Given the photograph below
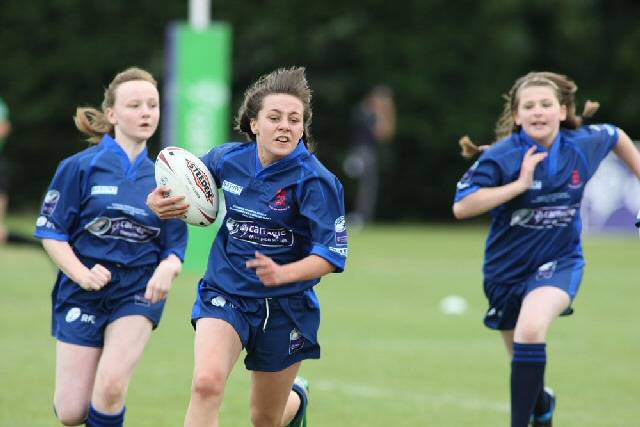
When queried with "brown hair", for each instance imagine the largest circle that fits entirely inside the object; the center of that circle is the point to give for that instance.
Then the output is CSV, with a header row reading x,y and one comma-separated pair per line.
x,y
290,81
564,89
93,122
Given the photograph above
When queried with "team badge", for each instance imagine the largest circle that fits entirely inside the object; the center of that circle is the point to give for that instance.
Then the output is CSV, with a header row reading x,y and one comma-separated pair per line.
x,y
341,230
296,341
51,200
545,271
279,203
576,180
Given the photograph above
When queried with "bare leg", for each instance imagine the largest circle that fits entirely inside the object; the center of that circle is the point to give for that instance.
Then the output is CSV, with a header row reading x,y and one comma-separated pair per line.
x,y
125,340
75,374
217,348
273,403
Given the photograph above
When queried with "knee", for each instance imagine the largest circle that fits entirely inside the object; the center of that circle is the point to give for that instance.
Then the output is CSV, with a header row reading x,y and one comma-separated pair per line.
x,y
112,391
261,418
208,386
530,331
70,415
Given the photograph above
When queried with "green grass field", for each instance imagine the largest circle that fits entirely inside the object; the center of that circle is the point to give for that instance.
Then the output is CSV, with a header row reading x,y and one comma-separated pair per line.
x,y
390,357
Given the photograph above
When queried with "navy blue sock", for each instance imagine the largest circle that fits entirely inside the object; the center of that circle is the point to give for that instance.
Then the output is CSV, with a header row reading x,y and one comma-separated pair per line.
x,y
98,419
543,404
297,419
527,378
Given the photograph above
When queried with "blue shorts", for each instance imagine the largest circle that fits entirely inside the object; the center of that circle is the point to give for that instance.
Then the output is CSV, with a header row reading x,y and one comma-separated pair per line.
x,y
505,300
80,316
276,332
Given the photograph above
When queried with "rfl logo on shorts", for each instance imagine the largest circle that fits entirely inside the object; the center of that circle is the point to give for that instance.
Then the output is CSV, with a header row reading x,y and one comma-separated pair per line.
x,y
296,341
545,271
74,313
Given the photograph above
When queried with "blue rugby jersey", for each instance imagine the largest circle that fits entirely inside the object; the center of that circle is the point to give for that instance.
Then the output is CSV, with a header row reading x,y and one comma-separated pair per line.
x,y
544,222
288,210
97,202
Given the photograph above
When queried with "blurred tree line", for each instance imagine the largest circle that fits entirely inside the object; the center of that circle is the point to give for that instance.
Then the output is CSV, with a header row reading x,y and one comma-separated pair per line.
x,y
448,63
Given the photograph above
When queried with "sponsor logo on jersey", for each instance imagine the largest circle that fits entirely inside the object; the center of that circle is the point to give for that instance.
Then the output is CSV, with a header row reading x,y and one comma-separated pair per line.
x,y
340,226
536,185
465,181
231,187
51,200
201,180
129,210
218,301
72,314
121,228
340,251
576,180
551,198
42,221
296,341
249,231
544,217
104,189
279,202
545,271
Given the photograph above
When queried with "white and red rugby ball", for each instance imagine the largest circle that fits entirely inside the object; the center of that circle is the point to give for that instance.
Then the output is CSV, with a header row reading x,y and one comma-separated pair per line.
x,y
187,176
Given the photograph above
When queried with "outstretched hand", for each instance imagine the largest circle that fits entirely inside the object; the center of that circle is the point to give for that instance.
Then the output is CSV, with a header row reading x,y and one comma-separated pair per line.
x,y
165,206
528,167
268,271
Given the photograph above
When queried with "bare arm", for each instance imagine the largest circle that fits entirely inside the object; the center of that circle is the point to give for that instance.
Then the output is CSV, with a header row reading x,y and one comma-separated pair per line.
x,y
627,152
162,279
486,199
273,274
63,256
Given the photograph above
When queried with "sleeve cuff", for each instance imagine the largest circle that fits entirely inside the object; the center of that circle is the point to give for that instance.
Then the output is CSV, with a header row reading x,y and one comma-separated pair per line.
x,y
41,234
165,254
332,255
464,193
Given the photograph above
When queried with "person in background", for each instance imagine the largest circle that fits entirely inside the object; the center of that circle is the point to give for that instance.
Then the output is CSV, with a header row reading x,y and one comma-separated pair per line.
x,y
5,130
117,259
532,182
283,230
373,122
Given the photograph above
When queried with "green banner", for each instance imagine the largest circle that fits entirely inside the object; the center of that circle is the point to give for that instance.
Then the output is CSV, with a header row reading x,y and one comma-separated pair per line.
x,y
196,108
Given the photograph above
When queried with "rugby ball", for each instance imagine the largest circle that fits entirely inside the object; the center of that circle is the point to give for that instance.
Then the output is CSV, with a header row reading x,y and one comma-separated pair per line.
x,y
185,175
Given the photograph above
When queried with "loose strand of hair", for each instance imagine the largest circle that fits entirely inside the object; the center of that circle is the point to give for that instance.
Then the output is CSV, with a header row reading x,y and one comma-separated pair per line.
x,y
92,123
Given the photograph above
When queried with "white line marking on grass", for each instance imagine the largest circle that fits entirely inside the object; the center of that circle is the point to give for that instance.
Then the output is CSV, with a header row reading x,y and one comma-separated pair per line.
x,y
444,399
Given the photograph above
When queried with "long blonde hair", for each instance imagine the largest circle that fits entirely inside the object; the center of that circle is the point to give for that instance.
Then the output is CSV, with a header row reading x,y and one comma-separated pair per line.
x,y
565,90
93,122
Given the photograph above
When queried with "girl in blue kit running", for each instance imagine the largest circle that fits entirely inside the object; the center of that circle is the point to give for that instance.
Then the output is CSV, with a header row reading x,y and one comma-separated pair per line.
x,y
117,259
283,230
532,181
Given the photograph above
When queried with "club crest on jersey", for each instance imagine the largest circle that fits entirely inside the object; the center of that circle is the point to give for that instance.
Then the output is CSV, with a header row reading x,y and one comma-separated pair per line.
x,y
340,226
51,200
279,202
296,341
200,179
576,180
